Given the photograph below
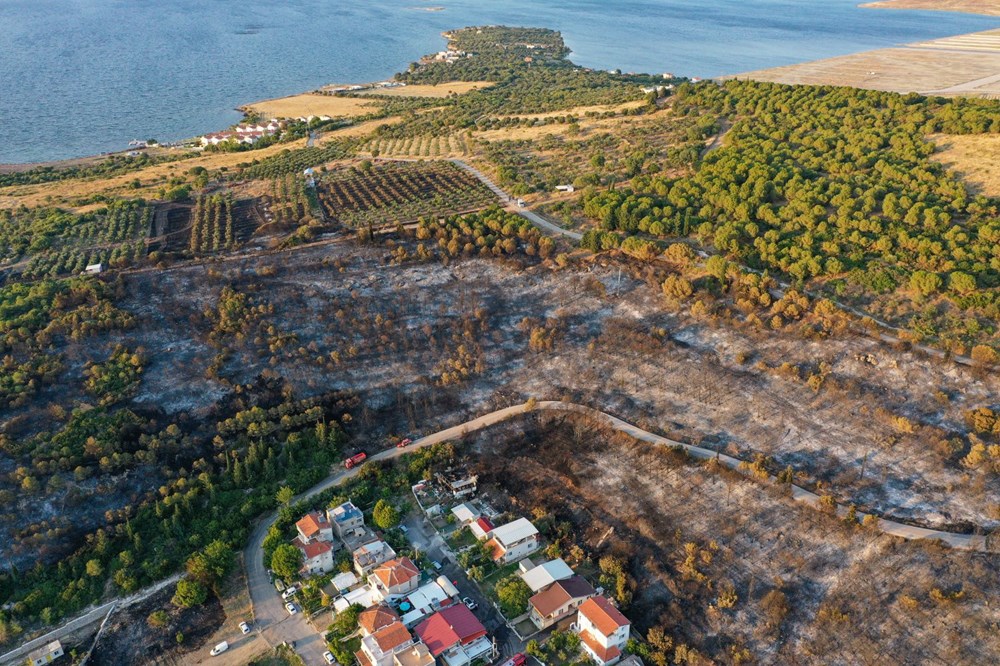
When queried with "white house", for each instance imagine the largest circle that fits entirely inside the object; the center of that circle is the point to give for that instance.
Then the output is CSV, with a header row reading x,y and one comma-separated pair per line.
x,y
45,654
370,555
511,542
347,520
540,577
481,528
317,556
428,599
603,630
464,514
394,579
378,648
314,526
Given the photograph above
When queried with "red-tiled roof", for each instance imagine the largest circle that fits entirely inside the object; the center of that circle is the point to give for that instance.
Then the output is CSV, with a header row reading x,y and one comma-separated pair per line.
x,y
391,637
397,572
311,524
605,654
485,524
560,593
376,618
363,658
315,549
449,627
603,615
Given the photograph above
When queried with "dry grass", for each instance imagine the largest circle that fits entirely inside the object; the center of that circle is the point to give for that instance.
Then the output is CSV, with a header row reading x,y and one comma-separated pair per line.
x,y
151,178
903,70
437,91
976,158
311,104
989,7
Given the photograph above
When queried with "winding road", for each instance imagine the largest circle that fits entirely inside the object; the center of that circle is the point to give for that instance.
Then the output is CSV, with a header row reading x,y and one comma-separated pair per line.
x,y
276,625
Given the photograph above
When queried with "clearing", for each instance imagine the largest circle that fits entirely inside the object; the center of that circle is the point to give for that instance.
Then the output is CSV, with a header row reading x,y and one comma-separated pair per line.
x,y
975,158
312,104
437,91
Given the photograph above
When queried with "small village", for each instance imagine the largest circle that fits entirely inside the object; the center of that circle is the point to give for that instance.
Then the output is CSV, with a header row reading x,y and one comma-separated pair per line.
x,y
402,608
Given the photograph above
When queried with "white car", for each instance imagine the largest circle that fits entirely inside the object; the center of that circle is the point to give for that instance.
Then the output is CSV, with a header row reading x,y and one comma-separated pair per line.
x,y
244,627
469,603
290,607
436,565
329,657
219,649
289,593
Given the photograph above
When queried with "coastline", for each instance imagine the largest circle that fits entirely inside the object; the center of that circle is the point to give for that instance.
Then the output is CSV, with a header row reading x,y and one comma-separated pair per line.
x,y
981,7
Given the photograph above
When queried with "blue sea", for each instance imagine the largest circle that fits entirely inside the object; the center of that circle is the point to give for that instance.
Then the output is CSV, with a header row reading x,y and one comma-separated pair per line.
x,y
79,77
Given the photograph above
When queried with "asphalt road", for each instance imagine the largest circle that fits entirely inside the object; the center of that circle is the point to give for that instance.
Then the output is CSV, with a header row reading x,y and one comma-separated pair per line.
x,y
275,624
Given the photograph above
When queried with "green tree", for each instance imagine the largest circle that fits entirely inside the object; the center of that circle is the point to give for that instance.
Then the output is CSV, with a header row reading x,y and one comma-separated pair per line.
x,y
212,563
285,495
513,595
189,593
385,515
286,561
94,568
925,283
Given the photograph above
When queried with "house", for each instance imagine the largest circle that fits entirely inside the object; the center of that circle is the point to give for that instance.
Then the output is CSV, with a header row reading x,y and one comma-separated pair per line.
x,y
378,648
395,579
370,555
314,526
373,619
45,654
513,541
481,528
454,635
558,601
565,188
543,575
458,486
364,596
603,630
347,520
343,582
464,514
317,556
427,600
416,655
93,269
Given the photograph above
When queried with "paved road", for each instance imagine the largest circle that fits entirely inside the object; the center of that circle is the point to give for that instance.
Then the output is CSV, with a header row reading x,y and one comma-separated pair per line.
x,y
276,625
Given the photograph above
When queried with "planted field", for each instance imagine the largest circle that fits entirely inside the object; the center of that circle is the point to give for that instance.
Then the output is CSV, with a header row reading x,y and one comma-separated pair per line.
x,y
398,192
211,224
424,145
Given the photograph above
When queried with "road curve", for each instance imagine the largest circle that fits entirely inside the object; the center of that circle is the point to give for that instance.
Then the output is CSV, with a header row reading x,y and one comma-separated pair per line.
x,y
272,618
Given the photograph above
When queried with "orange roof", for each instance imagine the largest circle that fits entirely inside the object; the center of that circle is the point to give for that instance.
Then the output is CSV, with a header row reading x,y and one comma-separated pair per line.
x,y
397,572
496,550
376,618
312,523
560,593
363,658
603,615
605,654
315,549
391,637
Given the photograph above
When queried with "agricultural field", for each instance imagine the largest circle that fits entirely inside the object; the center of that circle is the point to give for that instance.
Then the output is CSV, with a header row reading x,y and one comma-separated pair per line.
x,y
421,146
51,242
313,104
388,192
438,90
210,223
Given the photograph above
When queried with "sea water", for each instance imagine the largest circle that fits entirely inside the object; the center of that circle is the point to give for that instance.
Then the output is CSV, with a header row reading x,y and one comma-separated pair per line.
x,y
80,77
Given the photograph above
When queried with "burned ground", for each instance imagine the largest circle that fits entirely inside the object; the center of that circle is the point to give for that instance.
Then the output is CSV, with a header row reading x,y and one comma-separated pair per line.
x,y
426,344
724,564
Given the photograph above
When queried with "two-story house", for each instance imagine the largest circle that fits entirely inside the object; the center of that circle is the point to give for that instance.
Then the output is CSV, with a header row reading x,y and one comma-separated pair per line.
x,y
347,520
603,630
370,555
394,579
314,526
559,600
455,636
317,556
513,541
379,647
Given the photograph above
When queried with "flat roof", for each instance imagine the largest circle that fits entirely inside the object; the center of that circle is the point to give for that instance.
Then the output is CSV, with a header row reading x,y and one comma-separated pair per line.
x,y
514,531
545,574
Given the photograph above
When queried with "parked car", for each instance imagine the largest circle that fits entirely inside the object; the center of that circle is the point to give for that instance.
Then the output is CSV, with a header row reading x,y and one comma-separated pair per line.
x,y
404,443
404,529
289,593
329,657
290,607
244,627
517,660
219,649
469,603
436,565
